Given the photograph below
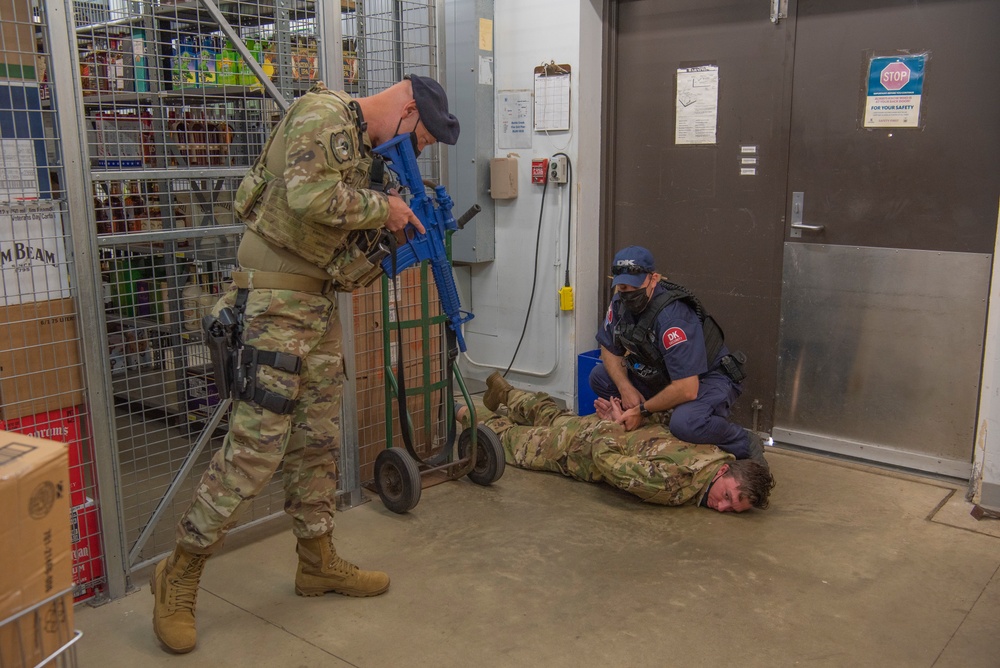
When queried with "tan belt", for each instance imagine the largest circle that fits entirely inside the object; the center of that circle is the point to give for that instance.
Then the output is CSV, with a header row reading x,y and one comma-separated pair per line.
x,y
271,280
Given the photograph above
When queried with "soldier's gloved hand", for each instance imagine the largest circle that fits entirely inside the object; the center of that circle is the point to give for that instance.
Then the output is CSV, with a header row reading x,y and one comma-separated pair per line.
x,y
399,215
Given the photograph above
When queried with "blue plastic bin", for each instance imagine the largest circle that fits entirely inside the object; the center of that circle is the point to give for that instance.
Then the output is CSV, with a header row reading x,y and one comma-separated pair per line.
x,y
585,396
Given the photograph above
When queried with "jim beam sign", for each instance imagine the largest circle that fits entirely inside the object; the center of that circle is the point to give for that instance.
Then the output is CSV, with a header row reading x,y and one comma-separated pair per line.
x,y
33,263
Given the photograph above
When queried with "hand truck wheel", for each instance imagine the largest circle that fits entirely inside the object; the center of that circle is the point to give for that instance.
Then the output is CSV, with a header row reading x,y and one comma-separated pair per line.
x,y
397,480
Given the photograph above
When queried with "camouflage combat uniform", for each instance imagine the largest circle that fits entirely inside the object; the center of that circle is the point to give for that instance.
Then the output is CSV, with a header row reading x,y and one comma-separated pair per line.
x,y
301,199
648,462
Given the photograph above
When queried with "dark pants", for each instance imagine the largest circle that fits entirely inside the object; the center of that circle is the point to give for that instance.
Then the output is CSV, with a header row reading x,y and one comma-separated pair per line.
x,y
702,420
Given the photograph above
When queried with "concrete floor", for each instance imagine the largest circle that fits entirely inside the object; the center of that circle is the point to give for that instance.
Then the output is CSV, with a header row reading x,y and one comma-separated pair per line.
x,y
851,566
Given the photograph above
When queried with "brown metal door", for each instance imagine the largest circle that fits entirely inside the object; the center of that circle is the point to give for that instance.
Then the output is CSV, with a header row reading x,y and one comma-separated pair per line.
x,y
710,226
890,233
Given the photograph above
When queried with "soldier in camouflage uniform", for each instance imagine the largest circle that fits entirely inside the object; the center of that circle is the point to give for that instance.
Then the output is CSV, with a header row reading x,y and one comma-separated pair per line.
x,y
312,218
648,461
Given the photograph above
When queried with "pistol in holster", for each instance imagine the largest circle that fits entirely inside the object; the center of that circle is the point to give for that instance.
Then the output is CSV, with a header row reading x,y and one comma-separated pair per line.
x,y
222,336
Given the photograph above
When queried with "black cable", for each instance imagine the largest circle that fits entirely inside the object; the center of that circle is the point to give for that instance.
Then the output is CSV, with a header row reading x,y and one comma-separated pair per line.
x,y
534,281
569,218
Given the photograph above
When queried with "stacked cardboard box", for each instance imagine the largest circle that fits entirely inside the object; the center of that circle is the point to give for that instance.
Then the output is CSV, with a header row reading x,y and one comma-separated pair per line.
x,y
34,550
40,368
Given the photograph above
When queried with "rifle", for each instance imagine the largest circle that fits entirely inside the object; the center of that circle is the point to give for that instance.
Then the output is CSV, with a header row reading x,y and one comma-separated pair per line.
x,y
438,222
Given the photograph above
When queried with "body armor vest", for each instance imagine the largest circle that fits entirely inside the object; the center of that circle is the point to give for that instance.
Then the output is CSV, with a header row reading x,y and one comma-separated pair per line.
x,y
640,339
262,203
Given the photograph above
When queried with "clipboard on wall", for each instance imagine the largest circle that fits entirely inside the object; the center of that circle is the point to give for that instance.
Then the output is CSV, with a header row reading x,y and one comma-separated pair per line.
x,y
552,96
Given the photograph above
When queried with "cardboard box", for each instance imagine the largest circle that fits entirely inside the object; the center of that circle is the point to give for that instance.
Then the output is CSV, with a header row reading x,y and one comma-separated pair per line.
x,y
34,548
17,40
40,368
36,635
88,552
66,426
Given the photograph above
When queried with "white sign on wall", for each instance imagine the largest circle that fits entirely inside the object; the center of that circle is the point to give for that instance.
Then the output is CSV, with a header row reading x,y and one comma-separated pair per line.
x,y
697,105
33,263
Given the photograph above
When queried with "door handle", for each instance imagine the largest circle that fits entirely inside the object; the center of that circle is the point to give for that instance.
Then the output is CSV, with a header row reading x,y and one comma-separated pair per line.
x,y
798,200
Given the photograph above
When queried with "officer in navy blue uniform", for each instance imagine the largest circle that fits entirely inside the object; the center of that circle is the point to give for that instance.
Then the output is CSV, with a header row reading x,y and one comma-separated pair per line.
x,y
656,358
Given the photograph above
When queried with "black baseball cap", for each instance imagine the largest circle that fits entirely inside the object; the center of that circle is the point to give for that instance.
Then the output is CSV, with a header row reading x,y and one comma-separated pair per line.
x,y
432,103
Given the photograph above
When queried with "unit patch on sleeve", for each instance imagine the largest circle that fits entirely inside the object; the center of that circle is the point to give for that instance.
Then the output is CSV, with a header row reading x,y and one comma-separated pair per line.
x,y
673,336
342,147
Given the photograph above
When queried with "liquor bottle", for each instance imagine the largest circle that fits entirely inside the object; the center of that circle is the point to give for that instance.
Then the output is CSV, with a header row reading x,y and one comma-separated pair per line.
x,y
117,207
102,214
135,209
191,298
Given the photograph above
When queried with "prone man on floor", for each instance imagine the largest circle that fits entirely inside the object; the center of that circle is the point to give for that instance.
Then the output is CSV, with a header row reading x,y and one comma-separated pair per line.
x,y
648,461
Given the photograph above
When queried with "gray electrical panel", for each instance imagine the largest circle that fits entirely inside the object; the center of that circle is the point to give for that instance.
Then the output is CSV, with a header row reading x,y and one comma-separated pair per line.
x,y
471,95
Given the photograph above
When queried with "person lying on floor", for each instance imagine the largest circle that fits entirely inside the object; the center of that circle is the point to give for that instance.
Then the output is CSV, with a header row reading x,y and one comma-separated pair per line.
x,y
648,461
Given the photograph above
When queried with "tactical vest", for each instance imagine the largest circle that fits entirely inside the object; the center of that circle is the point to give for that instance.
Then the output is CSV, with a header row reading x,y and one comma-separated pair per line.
x,y
262,203
639,338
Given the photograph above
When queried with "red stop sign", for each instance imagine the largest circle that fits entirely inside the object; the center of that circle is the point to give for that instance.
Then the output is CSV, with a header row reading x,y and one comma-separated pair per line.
x,y
895,76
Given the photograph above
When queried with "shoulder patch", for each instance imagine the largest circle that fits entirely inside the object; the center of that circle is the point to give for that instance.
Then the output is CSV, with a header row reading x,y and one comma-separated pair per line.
x,y
341,146
673,336
608,318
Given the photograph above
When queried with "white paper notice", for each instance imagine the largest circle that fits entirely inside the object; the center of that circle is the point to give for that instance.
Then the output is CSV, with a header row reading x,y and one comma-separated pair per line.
x,y
515,118
486,70
697,105
18,170
551,102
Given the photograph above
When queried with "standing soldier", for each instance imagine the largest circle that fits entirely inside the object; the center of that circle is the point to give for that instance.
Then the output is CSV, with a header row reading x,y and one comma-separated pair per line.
x,y
313,226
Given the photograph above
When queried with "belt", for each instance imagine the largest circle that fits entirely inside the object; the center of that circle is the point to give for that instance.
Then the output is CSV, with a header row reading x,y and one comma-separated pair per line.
x,y
272,280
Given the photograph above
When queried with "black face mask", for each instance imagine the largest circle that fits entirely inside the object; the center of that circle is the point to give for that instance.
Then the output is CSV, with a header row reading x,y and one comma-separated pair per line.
x,y
635,301
413,136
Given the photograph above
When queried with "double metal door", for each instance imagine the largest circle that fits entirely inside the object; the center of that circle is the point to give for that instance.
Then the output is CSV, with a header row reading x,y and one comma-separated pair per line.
x,y
852,262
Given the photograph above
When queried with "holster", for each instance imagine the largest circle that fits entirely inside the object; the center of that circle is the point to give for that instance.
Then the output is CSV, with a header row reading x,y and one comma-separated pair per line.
x,y
733,366
222,339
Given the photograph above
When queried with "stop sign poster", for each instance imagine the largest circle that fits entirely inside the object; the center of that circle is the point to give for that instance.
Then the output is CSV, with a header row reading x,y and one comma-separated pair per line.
x,y
895,85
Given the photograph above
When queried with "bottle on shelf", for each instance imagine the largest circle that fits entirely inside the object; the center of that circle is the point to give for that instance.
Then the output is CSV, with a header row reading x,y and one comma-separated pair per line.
x,y
102,212
136,216
194,301
117,209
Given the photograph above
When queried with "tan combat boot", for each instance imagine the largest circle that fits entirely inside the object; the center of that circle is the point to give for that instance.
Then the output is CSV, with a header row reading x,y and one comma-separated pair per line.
x,y
174,584
496,391
321,571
